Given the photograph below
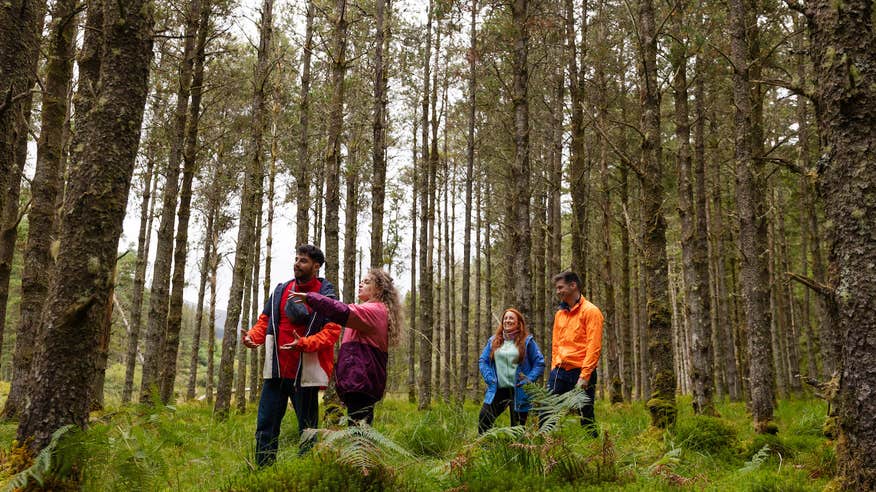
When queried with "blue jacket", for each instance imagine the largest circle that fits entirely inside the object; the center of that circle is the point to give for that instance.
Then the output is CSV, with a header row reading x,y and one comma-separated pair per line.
x,y
531,367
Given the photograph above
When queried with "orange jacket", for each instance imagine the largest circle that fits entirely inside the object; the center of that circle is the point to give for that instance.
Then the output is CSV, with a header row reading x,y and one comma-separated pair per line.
x,y
577,338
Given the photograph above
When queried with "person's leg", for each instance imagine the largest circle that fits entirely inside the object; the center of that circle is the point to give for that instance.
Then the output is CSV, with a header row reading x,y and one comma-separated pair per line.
x,y
272,408
518,418
306,404
490,411
588,417
359,407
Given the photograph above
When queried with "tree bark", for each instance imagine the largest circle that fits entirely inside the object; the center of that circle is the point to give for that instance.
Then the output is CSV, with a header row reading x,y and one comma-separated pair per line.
x,y
413,334
750,193
45,191
659,325
335,130
248,201
378,155
519,233
156,325
198,15
92,223
302,180
425,284
843,50
199,311
578,174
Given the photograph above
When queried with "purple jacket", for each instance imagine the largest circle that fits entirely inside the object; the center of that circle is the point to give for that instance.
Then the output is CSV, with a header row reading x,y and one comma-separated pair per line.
x,y
364,352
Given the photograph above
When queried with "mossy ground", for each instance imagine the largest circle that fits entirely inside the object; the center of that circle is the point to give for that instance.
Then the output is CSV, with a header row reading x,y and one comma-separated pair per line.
x,y
185,448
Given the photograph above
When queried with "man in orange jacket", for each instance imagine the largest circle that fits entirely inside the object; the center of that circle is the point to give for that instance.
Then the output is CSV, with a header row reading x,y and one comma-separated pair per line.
x,y
299,354
577,342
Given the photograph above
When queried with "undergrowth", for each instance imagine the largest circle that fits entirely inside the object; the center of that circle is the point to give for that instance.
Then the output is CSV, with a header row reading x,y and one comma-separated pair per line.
x,y
149,448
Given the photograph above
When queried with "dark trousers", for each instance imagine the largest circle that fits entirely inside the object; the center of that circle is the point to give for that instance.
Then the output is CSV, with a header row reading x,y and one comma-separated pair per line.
x,y
272,407
359,407
503,399
562,381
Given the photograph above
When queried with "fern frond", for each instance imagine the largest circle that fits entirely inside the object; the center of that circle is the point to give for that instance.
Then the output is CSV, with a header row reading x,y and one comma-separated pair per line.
x,y
41,468
758,459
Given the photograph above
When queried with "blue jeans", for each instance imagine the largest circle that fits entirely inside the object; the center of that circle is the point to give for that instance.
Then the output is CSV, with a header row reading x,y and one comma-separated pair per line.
x,y
272,407
562,381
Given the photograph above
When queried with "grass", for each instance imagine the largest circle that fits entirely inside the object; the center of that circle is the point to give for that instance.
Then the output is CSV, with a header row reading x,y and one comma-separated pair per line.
x,y
185,448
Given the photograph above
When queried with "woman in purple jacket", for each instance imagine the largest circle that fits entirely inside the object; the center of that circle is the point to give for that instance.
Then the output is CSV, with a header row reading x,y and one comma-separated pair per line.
x,y
373,326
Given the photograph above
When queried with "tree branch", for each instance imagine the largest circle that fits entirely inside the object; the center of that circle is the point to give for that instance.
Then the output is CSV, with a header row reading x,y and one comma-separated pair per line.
x,y
818,287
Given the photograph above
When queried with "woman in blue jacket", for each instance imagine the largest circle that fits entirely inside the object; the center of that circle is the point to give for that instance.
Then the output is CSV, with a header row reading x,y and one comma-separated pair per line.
x,y
510,360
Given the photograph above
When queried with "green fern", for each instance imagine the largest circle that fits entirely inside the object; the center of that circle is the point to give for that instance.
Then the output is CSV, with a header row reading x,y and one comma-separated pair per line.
x,y
551,408
358,446
41,468
758,459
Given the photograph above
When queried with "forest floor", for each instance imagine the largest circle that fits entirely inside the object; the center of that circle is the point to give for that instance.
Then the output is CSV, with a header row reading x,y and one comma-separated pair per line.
x,y
184,447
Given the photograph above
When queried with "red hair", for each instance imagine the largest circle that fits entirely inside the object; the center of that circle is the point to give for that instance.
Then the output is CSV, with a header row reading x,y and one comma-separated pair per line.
x,y
520,341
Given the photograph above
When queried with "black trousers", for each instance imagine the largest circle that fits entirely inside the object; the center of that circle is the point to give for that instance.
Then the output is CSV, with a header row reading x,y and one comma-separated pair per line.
x,y
276,394
562,381
359,407
490,411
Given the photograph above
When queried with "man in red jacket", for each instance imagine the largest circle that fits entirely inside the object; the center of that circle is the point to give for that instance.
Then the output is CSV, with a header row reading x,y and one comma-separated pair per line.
x,y
289,372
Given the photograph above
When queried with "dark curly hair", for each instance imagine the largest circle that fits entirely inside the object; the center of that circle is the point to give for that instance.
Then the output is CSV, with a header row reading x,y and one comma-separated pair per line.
x,y
311,252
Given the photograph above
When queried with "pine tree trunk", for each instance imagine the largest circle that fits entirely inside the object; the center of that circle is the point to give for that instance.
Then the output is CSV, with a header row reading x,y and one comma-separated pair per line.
x,y
248,201
243,350
750,192
694,264
519,233
659,318
843,50
255,309
211,325
351,219
335,131
198,18
199,312
465,301
302,179
378,156
21,23
147,207
577,159
425,284
413,333
45,191
156,325
94,209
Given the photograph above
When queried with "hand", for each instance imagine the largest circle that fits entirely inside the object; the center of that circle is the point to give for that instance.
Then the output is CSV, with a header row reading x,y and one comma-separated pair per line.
x,y
582,383
247,341
298,297
521,380
294,345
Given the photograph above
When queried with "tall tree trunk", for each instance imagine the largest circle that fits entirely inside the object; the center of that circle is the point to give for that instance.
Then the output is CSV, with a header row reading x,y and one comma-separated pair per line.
x,y
198,15
156,325
378,154
480,329
242,350
662,372
45,191
465,301
577,160
694,260
211,325
413,334
519,233
335,133
94,209
302,179
843,50
750,192
21,23
351,219
248,201
425,283
147,208
199,311
255,310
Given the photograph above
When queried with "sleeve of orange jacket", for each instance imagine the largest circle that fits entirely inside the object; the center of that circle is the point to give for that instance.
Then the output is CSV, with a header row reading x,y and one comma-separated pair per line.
x,y
555,343
318,341
257,332
594,343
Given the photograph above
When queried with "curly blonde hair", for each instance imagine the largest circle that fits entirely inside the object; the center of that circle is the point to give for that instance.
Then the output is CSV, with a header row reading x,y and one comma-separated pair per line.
x,y
388,295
